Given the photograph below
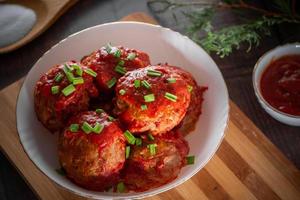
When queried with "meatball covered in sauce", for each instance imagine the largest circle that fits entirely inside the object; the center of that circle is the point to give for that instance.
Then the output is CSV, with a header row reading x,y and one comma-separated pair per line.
x,y
92,150
194,110
111,63
153,99
146,169
63,91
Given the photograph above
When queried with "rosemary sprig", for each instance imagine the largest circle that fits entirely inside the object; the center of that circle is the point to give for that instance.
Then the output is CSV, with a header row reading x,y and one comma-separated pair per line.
x,y
225,40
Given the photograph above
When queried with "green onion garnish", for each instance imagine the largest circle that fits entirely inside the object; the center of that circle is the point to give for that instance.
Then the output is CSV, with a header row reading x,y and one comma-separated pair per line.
x,y
121,62
68,73
190,88
171,97
78,80
151,72
144,107
86,127
58,77
111,82
78,69
98,128
68,67
68,90
121,187
122,92
74,127
108,48
117,53
152,149
171,80
54,89
146,84
90,72
99,110
137,83
127,152
149,98
110,118
138,141
120,69
129,137
131,56
190,160
150,137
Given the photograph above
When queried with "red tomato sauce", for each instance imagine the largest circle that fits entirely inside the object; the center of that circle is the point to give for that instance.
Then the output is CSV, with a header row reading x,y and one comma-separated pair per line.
x,y
280,84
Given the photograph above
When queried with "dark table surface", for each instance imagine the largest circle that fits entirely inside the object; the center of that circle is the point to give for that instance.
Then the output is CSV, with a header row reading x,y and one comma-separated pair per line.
x,y
236,69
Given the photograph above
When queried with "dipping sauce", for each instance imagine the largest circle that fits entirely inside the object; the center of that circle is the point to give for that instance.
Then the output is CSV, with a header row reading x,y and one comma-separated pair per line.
x,y
280,84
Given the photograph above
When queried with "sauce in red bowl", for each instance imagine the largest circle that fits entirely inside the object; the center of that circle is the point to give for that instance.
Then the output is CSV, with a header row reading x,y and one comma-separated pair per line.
x,y
280,84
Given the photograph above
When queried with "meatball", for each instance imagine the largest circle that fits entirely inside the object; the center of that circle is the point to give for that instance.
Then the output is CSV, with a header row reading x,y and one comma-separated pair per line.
x,y
194,110
153,99
111,63
92,160
61,92
144,170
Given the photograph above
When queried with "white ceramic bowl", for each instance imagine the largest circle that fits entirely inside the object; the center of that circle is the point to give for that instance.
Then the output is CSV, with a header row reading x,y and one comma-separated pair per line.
x,y
260,66
163,45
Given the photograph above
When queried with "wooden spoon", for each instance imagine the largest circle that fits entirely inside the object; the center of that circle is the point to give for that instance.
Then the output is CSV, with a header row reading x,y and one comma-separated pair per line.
x,y
47,12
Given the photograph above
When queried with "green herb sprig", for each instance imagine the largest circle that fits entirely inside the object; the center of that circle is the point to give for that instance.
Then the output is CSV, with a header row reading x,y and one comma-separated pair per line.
x,y
224,40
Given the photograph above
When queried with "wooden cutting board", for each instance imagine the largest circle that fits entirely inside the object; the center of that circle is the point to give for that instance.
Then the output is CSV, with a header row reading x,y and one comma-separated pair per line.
x,y
246,166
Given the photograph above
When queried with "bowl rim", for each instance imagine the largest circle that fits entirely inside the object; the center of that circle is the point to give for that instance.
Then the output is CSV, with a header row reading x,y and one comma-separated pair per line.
x,y
257,83
136,195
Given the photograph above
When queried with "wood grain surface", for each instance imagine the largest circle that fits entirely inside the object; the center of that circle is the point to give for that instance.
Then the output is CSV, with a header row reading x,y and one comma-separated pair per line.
x,y
246,166
47,12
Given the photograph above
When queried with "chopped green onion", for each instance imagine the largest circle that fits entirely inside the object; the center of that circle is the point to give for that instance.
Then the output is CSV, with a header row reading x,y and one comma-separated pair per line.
x,y
146,84
190,160
171,80
111,82
171,97
90,72
68,67
151,72
129,137
190,88
68,73
144,107
78,69
120,69
117,53
152,149
137,83
150,137
74,127
68,90
78,80
99,110
58,77
98,128
110,118
131,56
138,141
121,62
122,92
86,127
127,152
54,89
149,98
121,187
61,171
108,48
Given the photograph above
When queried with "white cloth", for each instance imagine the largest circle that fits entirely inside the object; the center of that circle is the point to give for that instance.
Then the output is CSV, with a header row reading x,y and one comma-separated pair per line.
x,y
15,22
